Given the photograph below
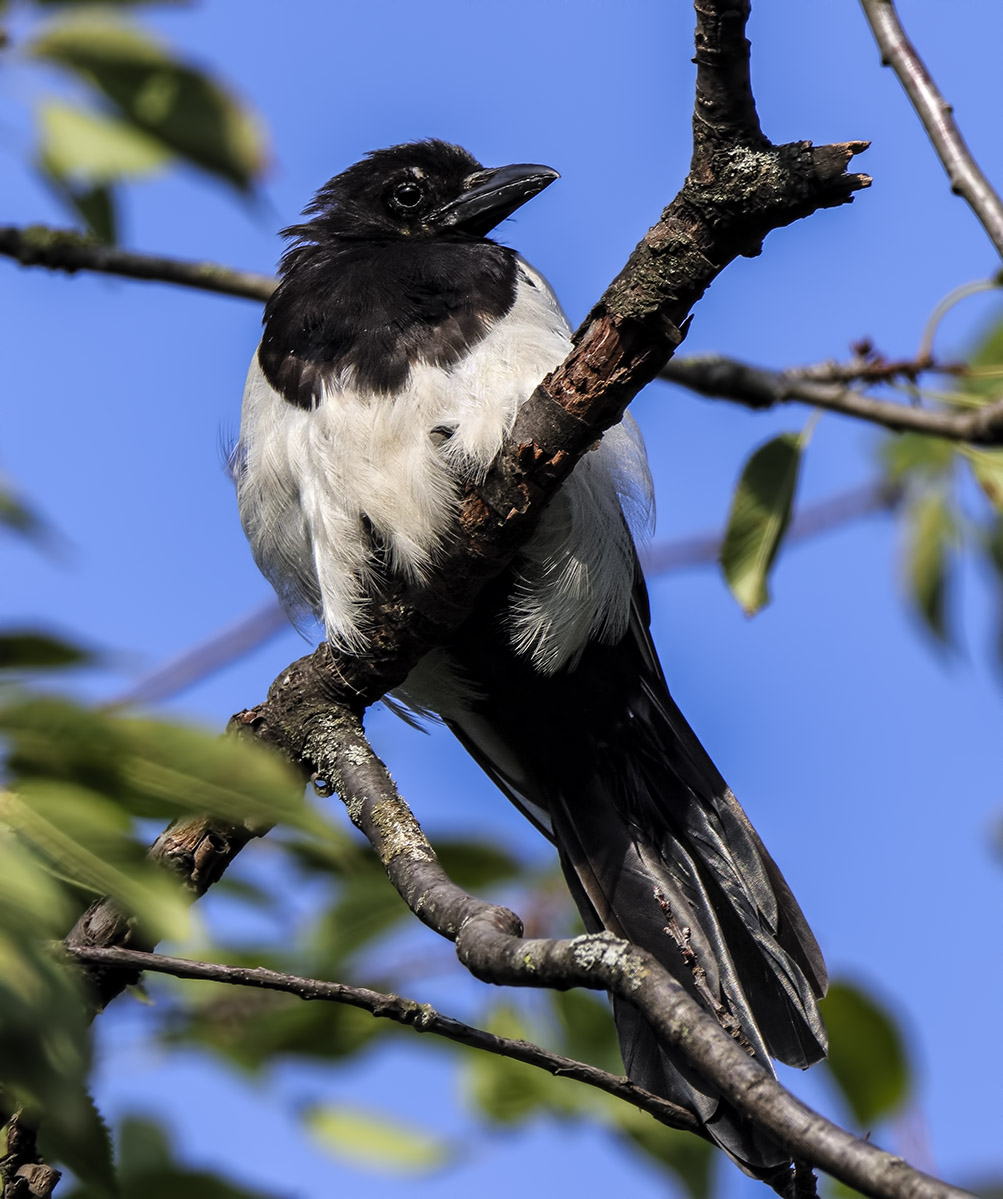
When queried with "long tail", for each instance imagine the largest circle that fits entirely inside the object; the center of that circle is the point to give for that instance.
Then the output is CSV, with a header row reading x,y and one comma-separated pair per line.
x,y
656,849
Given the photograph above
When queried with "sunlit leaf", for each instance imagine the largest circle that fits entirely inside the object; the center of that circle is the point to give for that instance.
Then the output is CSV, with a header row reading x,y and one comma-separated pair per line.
x,y
78,144
867,1056
374,1141
931,537
28,650
760,514
86,841
178,105
155,768
987,466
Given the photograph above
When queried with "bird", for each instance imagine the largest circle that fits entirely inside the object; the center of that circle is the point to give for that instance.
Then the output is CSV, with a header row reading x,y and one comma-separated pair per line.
x,y
396,349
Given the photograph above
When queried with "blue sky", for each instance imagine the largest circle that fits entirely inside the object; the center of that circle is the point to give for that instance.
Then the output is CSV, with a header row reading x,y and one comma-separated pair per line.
x,y
869,763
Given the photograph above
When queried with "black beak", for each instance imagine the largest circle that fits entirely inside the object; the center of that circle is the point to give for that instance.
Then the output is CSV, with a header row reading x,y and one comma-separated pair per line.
x,y
488,197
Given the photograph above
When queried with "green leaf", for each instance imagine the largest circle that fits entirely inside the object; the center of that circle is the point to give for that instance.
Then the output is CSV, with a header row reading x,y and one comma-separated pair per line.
x,y
760,513
148,1170
508,1092
867,1056
179,106
988,353
250,1030
587,1024
931,535
155,768
911,454
44,1037
96,206
86,841
992,546
81,145
120,3
987,466
27,650
374,1141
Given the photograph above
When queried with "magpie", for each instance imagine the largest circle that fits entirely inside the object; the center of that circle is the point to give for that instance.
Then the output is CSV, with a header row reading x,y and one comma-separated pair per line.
x,y
396,350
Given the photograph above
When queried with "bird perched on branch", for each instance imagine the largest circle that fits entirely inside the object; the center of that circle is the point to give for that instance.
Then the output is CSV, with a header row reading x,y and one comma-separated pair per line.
x,y
397,348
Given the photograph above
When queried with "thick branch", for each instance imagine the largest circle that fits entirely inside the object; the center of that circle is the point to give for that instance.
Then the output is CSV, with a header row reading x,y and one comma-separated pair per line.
x,y
966,177
489,943
755,387
420,1016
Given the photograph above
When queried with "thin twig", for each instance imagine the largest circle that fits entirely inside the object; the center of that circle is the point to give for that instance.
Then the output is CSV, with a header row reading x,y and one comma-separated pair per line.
x,y
726,379
966,177
420,1016
67,250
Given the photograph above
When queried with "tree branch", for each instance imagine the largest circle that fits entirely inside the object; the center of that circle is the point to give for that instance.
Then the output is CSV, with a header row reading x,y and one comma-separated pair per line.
x,y
70,251
420,1016
490,944
756,387
966,177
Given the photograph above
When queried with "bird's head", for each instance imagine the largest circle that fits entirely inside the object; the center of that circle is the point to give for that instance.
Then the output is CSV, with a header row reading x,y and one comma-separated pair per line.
x,y
421,190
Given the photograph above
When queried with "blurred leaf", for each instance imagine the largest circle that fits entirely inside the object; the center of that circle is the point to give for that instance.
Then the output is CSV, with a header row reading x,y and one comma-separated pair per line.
x,y
931,535
120,3
475,865
181,107
85,1148
374,1141
155,768
988,352
82,145
86,840
252,1029
44,1036
760,514
867,1056
987,466
27,650
691,1160
95,205
510,1092
148,1170
18,517
992,545
589,1034
907,454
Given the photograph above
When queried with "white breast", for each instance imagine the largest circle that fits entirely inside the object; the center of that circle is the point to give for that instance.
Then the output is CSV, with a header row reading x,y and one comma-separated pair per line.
x,y
318,489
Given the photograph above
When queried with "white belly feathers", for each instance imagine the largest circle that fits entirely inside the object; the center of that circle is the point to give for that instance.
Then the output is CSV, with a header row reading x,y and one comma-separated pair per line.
x,y
319,489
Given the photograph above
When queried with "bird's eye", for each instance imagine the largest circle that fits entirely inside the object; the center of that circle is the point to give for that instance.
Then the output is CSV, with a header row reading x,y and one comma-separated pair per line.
x,y
407,195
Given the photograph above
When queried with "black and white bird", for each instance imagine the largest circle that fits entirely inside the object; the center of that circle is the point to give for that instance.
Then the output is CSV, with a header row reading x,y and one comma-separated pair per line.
x,y
397,348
